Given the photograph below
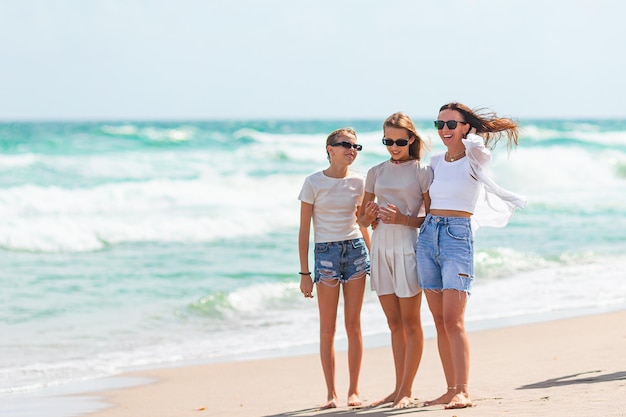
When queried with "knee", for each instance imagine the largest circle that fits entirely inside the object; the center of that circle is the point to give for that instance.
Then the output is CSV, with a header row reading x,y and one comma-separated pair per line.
x,y
327,332
453,325
354,333
413,327
440,323
395,324
353,327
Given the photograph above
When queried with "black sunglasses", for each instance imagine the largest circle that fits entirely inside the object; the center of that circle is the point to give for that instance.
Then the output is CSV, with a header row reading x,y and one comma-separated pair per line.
x,y
399,142
348,145
450,123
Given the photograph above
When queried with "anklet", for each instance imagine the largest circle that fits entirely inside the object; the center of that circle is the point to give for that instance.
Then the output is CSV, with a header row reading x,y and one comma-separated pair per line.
x,y
449,388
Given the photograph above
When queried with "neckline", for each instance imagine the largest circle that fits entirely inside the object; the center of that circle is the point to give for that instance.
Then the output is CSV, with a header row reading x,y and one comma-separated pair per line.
x,y
393,161
335,178
454,158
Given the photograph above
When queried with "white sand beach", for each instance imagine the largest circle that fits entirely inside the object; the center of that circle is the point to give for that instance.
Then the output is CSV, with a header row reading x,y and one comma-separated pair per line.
x,y
569,367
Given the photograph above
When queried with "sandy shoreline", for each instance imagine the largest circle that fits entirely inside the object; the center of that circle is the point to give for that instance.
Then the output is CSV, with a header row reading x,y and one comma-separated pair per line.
x,y
569,367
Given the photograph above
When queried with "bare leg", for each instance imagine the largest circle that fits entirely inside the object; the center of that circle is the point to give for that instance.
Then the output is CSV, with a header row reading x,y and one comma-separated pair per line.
x,y
448,308
353,293
454,316
327,301
412,324
435,304
391,307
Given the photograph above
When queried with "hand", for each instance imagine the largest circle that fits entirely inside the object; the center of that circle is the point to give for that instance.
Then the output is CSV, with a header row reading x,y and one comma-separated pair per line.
x,y
389,214
306,286
371,209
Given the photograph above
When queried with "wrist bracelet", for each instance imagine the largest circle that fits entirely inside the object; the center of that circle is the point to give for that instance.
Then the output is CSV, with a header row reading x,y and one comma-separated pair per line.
x,y
304,273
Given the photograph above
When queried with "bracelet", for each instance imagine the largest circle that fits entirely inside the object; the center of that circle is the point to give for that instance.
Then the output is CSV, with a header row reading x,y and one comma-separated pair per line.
x,y
304,273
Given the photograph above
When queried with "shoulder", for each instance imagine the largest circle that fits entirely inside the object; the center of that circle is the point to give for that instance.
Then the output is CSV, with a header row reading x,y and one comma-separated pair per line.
x,y
315,178
380,165
422,167
436,159
377,168
318,174
355,175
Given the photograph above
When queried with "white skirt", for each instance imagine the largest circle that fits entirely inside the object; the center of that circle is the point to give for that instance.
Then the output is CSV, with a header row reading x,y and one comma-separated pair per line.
x,y
394,267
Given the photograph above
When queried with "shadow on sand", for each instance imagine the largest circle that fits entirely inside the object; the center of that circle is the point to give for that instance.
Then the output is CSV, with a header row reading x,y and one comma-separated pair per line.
x,y
580,378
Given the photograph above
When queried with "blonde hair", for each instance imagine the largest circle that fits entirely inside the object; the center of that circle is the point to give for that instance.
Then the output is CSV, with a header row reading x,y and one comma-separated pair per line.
x,y
403,121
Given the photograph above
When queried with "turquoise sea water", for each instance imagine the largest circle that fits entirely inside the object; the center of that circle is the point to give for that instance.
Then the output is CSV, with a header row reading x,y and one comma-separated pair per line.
x,y
139,244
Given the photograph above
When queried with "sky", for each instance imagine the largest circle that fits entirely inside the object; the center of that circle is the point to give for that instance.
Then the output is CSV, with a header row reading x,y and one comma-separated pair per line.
x,y
309,59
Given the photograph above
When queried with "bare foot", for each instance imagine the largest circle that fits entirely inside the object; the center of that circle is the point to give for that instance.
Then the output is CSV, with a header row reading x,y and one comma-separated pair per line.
x,y
460,400
444,399
354,401
330,404
403,402
389,398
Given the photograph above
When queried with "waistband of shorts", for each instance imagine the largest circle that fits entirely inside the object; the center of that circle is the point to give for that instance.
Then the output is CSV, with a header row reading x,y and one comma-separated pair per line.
x,y
343,242
447,220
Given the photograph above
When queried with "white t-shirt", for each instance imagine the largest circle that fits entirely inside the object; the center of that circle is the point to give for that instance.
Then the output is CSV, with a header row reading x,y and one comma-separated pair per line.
x,y
335,201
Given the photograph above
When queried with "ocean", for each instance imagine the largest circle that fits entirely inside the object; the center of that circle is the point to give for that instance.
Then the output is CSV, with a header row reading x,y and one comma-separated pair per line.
x,y
129,245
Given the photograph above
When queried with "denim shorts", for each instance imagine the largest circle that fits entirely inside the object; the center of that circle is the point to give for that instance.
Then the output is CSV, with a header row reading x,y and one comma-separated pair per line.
x,y
445,254
341,260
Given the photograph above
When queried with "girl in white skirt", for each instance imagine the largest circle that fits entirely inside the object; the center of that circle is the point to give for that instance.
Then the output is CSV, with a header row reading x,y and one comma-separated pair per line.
x,y
396,200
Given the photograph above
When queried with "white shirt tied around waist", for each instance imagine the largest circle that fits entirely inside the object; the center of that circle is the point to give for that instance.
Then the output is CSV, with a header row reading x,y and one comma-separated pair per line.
x,y
476,192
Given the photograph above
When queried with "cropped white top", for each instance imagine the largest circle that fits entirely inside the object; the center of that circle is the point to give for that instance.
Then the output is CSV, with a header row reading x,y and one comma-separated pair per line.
x,y
455,187
490,204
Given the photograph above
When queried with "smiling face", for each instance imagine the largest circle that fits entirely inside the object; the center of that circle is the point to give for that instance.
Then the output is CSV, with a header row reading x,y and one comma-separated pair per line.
x,y
452,137
340,154
398,153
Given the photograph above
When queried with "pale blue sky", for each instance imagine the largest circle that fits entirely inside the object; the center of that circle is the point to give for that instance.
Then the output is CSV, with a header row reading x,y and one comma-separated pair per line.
x,y
194,59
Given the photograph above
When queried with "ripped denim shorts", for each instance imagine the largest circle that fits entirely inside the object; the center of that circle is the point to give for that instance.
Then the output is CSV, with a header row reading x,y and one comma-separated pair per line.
x,y
445,254
341,260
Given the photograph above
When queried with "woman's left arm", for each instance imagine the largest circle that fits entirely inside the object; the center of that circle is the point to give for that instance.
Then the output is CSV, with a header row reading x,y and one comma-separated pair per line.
x,y
364,230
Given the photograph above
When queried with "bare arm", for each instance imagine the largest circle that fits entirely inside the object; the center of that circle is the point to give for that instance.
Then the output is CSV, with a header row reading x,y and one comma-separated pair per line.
x,y
306,281
364,231
426,197
369,210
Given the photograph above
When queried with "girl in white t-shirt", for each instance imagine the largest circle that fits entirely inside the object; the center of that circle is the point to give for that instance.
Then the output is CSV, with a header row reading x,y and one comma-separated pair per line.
x,y
396,196
331,199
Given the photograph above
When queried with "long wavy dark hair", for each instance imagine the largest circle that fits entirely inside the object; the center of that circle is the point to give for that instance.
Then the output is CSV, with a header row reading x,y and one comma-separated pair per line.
x,y
488,124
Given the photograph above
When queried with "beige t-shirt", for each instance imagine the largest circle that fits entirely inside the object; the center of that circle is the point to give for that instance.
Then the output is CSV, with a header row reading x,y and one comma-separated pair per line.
x,y
335,201
400,184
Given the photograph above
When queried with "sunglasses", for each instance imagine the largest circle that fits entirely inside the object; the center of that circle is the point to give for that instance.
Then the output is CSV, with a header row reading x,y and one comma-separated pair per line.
x,y
399,142
347,145
450,123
